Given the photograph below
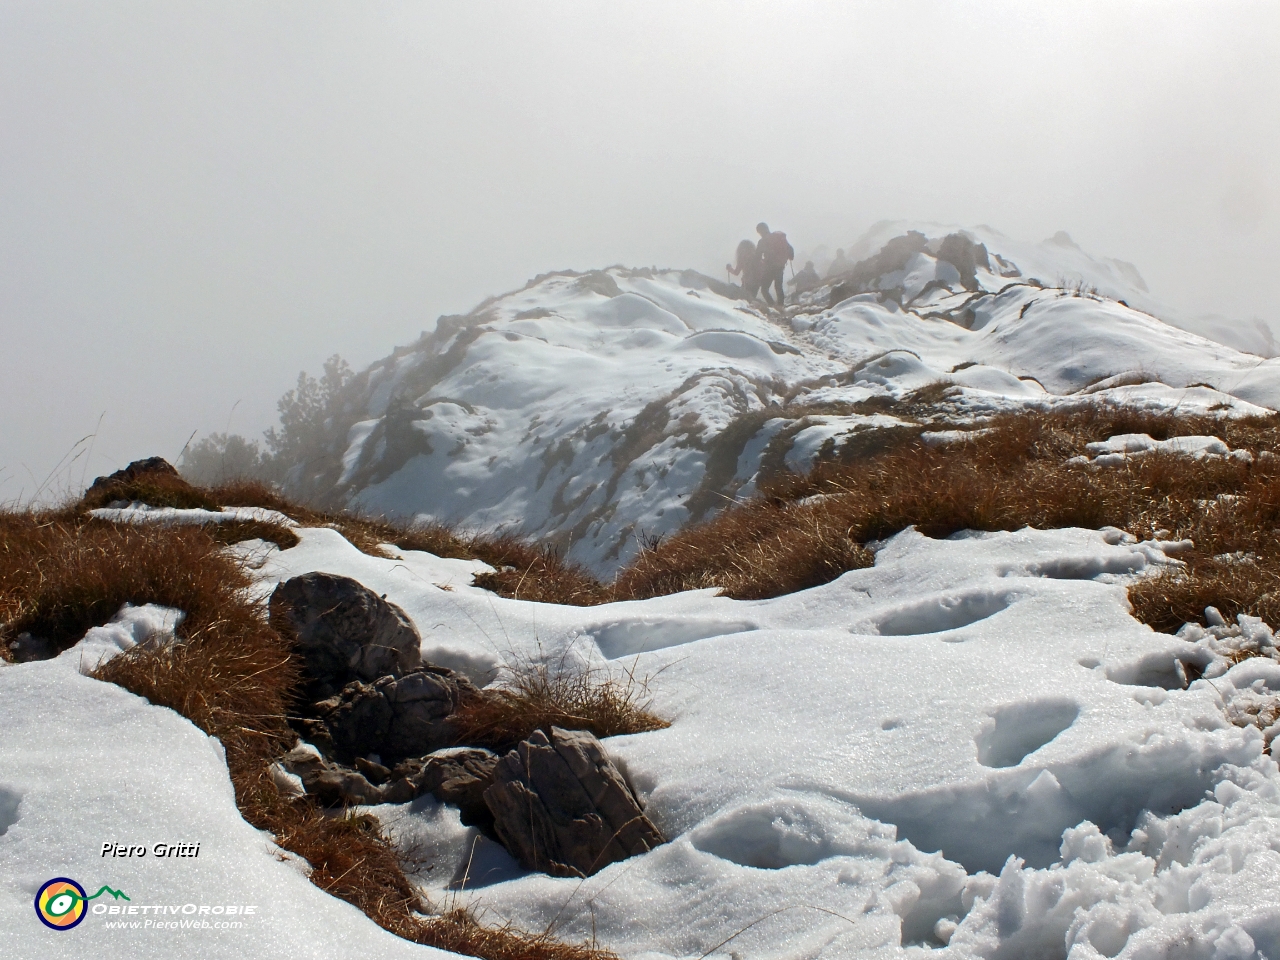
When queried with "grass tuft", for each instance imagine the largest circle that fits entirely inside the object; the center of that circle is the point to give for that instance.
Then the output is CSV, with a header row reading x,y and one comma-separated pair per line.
x,y
237,531
154,487
538,697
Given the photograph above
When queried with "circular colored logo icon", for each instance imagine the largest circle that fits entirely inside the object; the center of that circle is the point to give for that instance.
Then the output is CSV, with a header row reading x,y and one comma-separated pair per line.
x,y
60,904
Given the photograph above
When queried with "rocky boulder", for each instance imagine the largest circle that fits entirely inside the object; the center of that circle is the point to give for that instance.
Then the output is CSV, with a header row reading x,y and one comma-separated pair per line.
x,y
459,777
561,806
345,632
455,776
395,716
152,481
333,785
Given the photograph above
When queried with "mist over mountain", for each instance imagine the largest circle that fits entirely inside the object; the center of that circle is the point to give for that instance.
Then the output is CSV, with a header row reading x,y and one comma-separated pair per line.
x,y
600,410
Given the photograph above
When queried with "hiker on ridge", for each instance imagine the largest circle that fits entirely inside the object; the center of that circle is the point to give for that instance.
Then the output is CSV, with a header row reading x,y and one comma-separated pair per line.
x,y
807,279
748,266
839,265
774,252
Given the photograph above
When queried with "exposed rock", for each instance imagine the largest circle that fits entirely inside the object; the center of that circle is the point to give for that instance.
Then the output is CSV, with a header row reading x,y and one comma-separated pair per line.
x,y
966,256
455,776
153,481
395,717
561,806
331,784
375,773
153,466
459,777
345,632
893,256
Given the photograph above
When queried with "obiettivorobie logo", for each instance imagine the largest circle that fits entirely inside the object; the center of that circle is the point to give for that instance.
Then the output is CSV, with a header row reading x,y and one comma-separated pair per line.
x,y
61,902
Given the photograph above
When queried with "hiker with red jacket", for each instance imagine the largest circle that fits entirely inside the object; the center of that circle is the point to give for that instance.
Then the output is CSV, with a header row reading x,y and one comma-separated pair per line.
x,y
774,252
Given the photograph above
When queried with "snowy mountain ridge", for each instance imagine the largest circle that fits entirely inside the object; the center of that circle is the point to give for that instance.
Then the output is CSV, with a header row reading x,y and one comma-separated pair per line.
x,y
597,409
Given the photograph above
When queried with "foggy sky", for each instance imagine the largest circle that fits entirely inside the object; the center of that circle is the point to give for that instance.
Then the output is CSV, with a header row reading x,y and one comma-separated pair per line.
x,y
198,200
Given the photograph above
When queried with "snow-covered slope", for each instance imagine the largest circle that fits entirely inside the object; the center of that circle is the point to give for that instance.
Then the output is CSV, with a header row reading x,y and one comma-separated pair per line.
x,y
971,743
596,409
1060,262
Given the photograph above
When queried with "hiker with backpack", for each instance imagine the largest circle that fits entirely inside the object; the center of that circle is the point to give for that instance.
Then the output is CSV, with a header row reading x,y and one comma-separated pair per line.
x,y
775,252
748,266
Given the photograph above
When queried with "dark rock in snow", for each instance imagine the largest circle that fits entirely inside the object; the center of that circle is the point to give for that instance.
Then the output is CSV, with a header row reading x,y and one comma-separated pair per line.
x,y
395,717
345,631
561,806
966,256
331,784
457,776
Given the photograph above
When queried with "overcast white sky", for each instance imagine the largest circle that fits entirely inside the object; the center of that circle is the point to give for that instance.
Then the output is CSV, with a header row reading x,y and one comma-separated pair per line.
x,y
198,200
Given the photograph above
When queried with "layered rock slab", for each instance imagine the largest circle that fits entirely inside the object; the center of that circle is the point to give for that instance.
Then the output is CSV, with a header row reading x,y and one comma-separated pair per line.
x,y
561,806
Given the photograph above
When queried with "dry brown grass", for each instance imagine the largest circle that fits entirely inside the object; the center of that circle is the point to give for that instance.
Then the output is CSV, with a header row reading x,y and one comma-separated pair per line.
x,y
156,488
525,571
237,531
60,575
808,529
235,678
538,697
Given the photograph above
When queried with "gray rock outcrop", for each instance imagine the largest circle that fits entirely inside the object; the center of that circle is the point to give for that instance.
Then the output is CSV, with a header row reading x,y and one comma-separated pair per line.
x,y
395,716
345,632
458,777
331,784
561,806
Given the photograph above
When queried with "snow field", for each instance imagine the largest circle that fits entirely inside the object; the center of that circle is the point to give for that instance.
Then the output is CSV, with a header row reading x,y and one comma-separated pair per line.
x,y
987,696
970,742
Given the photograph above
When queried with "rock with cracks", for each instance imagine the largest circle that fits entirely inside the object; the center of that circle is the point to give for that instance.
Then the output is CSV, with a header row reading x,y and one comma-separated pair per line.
x,y
396,717
345,631
561,806
333,785
459,777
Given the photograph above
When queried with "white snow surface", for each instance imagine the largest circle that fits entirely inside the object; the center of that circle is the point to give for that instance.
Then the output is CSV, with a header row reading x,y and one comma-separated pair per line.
x,y
970,748
595,409
971,741
85,763
145,513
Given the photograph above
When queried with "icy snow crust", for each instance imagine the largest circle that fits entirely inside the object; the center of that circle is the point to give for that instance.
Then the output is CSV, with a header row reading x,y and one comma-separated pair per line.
x,y
594,409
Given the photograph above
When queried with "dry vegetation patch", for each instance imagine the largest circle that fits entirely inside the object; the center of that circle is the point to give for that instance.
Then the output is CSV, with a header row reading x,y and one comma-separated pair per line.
x,y
807,529
147,482
538,697
234,677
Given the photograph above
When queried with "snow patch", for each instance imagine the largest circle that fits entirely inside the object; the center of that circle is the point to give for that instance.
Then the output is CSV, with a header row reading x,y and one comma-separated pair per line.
x,y
1020,729
628,637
